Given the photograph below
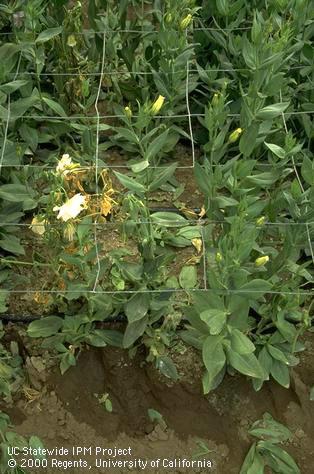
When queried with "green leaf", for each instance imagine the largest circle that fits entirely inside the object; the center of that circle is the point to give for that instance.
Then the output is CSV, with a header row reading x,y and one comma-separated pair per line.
x,y
280,372
255,288
248,139
249,460
29,135
45,327
277,354
202,179
111,337
307,170
269,429
276,149
130,183
156,145
286,329
167,367
246,364
48,34
67,360
188,277
95,339
129,135
215,320
213,355
55,106
20,106
241,343
11,243
312,394
14,192
278,459
140,166
265,359
137,306
168,219
209,383
134,331
189,232
162,176
154,415
36,443
272,111
131,271
13,86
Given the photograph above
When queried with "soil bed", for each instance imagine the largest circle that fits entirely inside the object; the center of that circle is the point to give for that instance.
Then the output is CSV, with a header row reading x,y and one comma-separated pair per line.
x,y
65,411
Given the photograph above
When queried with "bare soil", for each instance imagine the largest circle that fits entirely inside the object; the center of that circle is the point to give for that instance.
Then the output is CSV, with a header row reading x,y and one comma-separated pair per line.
x,y
65,411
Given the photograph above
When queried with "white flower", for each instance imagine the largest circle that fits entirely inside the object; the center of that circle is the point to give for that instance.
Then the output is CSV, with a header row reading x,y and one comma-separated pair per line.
x,y
65,165
71,208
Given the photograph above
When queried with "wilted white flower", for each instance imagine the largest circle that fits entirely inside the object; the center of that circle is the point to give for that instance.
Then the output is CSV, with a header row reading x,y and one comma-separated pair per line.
x,y
71,208
38,225
65,165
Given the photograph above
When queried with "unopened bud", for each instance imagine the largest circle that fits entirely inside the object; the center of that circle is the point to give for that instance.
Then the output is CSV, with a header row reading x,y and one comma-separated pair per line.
x,y
259,262
157,105
218,257
168,18
71,41
186,21
215,100
260,220
128,112
233,137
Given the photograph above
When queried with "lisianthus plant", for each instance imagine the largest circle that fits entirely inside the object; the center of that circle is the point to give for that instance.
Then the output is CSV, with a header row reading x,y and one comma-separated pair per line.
x,y
147,140
254,311
67,216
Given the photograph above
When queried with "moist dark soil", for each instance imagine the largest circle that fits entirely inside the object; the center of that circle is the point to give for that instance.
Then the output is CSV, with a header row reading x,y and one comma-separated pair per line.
x,y
66,411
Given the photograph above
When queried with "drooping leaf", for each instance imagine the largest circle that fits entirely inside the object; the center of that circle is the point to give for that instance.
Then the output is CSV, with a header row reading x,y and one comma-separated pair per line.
x,y
130,183
248,139
137,306
246,364
213,355
48,34
241,343
272,111
45,327
215,319
134,331
188,277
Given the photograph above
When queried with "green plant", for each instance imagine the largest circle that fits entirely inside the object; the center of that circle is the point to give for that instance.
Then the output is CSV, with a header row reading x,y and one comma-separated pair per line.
x,y
13,444
11,372
68,336
266,453
244,322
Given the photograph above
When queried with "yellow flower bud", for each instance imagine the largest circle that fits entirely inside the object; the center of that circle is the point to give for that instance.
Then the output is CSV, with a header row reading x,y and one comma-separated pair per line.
x,y
186,21
157,105
218,257
128,112
233,137
259,262
260,220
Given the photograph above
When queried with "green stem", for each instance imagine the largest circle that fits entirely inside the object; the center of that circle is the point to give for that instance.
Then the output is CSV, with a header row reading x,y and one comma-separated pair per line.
x,y
17,262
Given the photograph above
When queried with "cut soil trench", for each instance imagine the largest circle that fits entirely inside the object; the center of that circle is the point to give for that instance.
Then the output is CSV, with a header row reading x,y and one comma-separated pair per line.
x,y
67,413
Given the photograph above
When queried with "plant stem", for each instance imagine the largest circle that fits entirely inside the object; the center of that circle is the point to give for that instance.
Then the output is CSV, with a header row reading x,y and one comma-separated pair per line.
x,y
4,260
